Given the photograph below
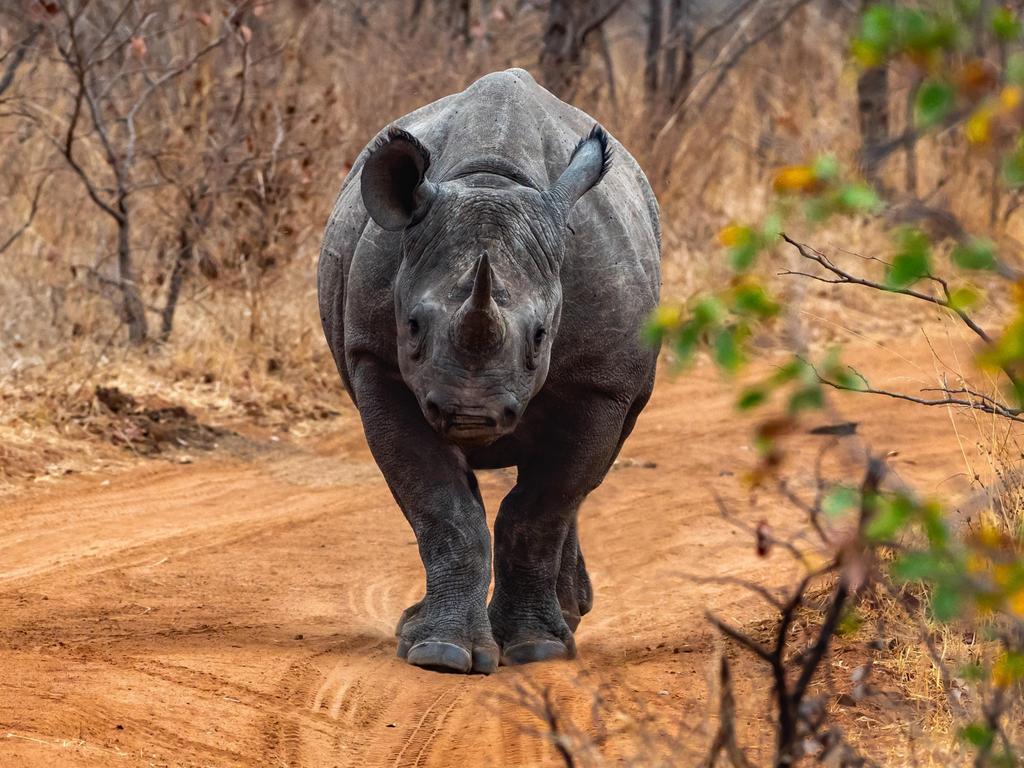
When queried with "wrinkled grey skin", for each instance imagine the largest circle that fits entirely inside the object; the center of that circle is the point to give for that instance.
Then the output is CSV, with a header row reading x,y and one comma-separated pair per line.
x,y
482,296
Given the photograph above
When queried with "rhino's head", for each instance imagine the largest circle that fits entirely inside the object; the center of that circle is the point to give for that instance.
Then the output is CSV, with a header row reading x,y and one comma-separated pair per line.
x,y
478,296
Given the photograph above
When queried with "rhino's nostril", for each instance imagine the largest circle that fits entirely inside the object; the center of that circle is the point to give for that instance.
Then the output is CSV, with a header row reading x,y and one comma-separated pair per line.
x,y
433,410
509,415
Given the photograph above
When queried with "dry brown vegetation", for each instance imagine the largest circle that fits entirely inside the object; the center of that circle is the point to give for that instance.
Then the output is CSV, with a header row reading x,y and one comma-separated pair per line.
x,y
201,144
252,114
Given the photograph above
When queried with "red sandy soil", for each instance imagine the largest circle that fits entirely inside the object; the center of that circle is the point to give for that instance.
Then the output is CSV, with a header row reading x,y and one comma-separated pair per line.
x,y
240,611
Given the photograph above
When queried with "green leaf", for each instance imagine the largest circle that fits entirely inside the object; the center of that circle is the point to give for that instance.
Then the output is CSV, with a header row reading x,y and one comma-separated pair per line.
x,y
971,671
1013,170
916,29
935,527
857,198
977,734
912,261
771,229
742,255
968,8
686,342
817,209
842,375
727,349
791,370
963,297
892,514
1015,68
808,398
976,253
1005,24
946,602
751,299
919,566
1011,666
934,101
826,168
708,311
876,26
849,623
840,499
751,398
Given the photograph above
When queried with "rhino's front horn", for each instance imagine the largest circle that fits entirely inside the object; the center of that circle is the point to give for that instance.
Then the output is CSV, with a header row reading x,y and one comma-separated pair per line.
x,y
477,326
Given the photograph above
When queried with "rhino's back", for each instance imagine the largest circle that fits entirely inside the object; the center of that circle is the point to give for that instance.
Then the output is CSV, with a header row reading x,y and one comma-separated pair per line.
x,y
509,116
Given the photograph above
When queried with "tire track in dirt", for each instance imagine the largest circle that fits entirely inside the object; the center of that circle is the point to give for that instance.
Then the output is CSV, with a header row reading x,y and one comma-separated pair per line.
x,y
241,614
415,748
304,687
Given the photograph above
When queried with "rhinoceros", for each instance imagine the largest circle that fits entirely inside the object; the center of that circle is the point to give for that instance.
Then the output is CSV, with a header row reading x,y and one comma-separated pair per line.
x,y
483,280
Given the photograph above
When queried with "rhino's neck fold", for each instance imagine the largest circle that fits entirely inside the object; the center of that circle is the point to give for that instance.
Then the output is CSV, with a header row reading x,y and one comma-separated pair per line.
x,y
490,166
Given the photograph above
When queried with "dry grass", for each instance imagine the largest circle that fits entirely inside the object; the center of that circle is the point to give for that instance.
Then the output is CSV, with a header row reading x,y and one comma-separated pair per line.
x,y
247,350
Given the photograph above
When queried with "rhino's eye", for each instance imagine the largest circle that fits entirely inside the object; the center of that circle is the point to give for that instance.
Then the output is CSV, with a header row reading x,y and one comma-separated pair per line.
x,y
414,326
539,335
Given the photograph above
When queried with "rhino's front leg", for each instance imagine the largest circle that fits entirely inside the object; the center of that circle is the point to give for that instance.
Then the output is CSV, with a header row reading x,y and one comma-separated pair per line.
x,y
437,492
532,600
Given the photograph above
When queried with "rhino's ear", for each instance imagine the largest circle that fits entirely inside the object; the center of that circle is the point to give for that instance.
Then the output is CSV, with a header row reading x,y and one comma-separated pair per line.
x,y
394,185
588,164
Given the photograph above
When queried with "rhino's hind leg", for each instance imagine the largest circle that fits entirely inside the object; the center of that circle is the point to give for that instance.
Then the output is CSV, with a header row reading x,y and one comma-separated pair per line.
x,y
575,595
526,617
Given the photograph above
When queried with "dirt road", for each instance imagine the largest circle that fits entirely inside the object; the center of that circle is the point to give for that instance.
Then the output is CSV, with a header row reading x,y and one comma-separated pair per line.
x,y
236,612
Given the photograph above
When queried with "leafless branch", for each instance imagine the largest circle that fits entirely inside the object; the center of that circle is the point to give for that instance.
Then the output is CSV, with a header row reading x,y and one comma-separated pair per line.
x,y
977,401
20,51
31,216
725,737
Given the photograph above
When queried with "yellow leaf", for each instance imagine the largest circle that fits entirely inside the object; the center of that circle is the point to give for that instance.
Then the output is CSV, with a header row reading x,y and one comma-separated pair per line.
x,y
866,55
988,535
794,178
813,561
734,234
668,316
1004,672
976,563
1015,603
1010,97
979,126
1002,574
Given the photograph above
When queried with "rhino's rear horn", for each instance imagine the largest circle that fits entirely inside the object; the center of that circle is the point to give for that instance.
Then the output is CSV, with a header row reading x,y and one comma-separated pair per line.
x,y
589,163
477,327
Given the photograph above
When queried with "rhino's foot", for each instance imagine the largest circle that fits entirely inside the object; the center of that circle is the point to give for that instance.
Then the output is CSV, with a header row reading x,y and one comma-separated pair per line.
x,y
427,639
531,633
407,614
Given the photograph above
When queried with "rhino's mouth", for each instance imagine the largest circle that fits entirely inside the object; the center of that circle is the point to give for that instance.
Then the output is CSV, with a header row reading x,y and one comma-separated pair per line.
x,y
465,423
472,428
472,421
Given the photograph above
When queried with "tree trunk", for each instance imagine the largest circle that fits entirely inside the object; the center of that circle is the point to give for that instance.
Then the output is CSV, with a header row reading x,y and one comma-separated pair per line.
x,y
555,58
872,114
872,117
458,21
651,80
570,24
910,151
673,46
132,306
182,260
